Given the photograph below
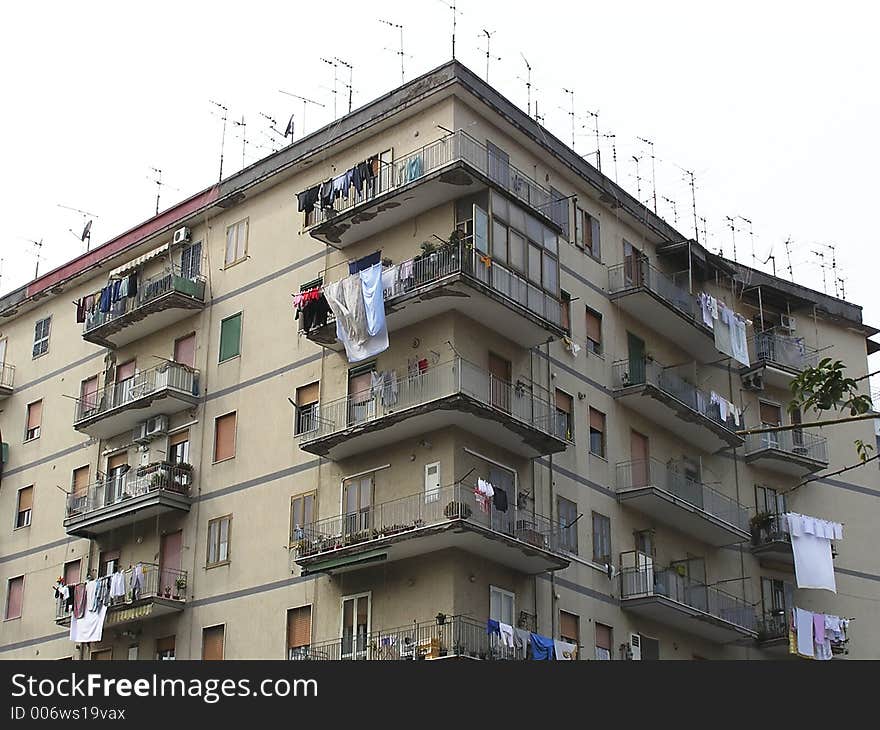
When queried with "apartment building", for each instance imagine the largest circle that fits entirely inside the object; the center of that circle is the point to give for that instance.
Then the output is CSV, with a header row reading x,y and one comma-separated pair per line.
x,y
545,335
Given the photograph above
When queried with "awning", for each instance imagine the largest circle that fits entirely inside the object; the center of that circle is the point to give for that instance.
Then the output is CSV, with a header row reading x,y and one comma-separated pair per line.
x,y
140,260
347,561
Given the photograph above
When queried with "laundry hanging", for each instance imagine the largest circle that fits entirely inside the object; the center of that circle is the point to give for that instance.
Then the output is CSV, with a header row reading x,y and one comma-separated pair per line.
x,y
811,546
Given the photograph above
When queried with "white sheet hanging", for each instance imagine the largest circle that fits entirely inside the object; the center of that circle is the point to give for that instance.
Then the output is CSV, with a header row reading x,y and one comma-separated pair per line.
x,y
804,624
813,565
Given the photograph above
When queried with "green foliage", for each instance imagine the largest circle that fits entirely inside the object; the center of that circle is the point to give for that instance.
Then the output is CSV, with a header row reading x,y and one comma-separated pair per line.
x,y
863,449
826,387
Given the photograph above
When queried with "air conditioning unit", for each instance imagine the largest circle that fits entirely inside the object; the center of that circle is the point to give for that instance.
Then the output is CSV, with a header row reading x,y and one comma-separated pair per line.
x,y
635,646
754,381
788,323
182,235
150,429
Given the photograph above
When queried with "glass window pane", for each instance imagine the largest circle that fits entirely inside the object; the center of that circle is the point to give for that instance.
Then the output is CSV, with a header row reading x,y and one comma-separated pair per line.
x,y
481,230
517,247
517,218
534,229
534,264
551,275
551,241
499,206
499,241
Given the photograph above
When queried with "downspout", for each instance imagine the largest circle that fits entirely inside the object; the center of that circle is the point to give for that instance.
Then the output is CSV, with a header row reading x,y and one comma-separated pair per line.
x,y
550,510
534,492
742,563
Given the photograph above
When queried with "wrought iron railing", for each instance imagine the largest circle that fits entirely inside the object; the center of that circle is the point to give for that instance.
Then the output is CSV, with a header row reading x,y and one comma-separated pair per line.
x,y
653,473
119,488
169,375
521,401
782,350
456,147
7,375
155,582
190,283
425,509
773,528
639,273
642,371
773,625
795,442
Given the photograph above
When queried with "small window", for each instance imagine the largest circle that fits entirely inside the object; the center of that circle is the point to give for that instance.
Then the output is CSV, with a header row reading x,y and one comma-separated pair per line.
x,y
306,408
597,433
212,643
601,538
567,512
72,572
34,421
230,337
165,648
41,336
25,507
299,632
604,642
587,232
569,627
594,331
302,513
236,242
224,437
14,594
218,540
178,447
564,410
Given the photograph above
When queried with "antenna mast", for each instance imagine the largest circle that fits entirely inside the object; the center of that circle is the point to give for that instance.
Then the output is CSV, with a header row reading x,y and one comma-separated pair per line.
x,y
335,81
638,179
159,183
305,102
691,182
570,92
350,75
87,218
672,204
613,138
223,134
788,257
653,171
489,35
528,81
595,116
243,126
400,52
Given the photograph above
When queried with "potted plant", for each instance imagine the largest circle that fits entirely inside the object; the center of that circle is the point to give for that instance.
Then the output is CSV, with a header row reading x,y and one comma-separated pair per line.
x,y
167,591
180,587
759,525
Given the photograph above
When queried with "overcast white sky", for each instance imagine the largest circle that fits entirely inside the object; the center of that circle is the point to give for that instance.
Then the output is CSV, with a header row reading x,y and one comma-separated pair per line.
x,y
773,105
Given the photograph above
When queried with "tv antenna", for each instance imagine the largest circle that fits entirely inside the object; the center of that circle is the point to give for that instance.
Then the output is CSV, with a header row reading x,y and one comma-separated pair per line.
x,y
305,102
637,159
528,82
705,230
732,226
159,183
350,75
570,92
455,13
692,183
672,204
273,127
87,219
788,257
223,114
751,238
822,265
243,126
38,249
489,56
595,116
613,138
400,53
653,171
834,273
335,81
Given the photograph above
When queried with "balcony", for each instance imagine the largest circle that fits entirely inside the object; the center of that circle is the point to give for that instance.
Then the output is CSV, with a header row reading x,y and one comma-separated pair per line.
x,y
117,407
455,277
650,296
448,517
458,637
688,506
773,633
660,394
161,300
795,453
776,360
516,416
139,494
771,539
667,597
438,173
163,592
7,378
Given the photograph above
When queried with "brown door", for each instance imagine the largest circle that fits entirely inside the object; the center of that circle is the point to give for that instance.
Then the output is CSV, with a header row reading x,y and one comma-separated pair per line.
x,y
499,382
632,264
358,504
640,456
124,383
361,403
169,561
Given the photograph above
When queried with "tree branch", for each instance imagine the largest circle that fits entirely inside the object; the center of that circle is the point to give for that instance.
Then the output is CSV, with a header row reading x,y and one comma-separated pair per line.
x,y
835,473
808,424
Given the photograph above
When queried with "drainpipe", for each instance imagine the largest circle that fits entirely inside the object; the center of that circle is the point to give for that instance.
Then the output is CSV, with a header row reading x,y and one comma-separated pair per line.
x,y
534,492
550,511
742,562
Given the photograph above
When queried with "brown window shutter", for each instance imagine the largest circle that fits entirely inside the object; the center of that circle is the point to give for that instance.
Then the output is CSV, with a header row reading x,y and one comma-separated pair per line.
x,y
568,625
224,437
185,350
563,401
594,326
25,499
72,572
299,626
603,636
125,371
771,414
178,438
35,414
164,644
116,461
307,394
212,643
80,479
597,420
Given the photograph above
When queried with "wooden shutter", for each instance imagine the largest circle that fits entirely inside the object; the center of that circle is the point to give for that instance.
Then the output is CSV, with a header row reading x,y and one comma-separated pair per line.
x,y
212,643
165,644
178,438
185,350
594,236
603,636
15,589
25,499
770,414
299,627
117,460
563,401
80,480
230,337
307,394
594,326
72,572
125,371
597,420
35,415
224,437
569,625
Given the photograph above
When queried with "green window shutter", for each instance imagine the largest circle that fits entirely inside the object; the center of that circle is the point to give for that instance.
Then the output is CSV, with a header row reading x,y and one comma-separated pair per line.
x,y
4,453
230,337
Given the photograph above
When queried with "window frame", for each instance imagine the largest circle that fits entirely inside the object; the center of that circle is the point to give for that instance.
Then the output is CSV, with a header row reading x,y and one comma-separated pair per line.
x,y
38,430
594,347
244,255
569,528
604,521
313,493
41,341
307,413
19,511
602,433
220,358
300,647
218,543
214,459
569,415
9,581
576,640
213,627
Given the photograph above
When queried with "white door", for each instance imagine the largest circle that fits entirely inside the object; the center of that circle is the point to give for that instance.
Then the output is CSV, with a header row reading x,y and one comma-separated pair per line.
x,y
502,605
355,625
432,482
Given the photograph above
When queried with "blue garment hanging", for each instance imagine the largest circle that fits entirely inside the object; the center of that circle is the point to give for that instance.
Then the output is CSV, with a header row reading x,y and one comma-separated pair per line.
x,y
542,647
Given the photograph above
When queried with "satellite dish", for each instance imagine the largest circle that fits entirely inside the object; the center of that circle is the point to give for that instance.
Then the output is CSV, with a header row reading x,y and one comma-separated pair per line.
x,y
288,132
87,231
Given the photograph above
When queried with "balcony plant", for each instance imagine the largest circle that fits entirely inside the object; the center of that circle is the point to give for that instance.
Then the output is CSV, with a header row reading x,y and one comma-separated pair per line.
x,y
759,525
180,587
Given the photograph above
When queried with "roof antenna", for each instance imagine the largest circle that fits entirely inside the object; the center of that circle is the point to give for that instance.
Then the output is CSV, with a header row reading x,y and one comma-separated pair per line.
x,y
38,247
595,116
489,57
751,238
692,183
638,178
613,138
528,80
400,52
350,75
273,127
672,204
732,227
159,184
335,81
653,171
454,8
88,218
823,266
222,116
705,230
570,92
305,102
243,126
788,257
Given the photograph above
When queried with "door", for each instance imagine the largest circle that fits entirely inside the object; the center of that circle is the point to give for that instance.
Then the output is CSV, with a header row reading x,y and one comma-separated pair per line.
x,y
432,482
361,402
502,605
169,561
499,382
635,373
124,382
88,396
771,415
357,502
355,625
185,350
191,260
797,434
503,479
632,265
641,459
102,655
117,468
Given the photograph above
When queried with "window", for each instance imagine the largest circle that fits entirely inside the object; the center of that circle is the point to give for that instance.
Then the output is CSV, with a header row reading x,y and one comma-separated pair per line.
x,y
14,593
41,336
212,643
769,501
644,540
230,337
299,632
564,409
133,653
88,396
72,572
597,433
306,408
569,627
594,331
191,260
559,211
604,642
165,648
224,437
302,513
236,242
178,447
218,540
567,512
501,605
587,232
108,561
185,350
25,507
601,538
565,309
34,420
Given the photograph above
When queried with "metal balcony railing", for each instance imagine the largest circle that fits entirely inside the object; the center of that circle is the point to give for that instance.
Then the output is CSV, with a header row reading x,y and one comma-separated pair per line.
x,y
794,442
653,473
457,636
117,489
456,147
521,401
158,582
648,581
788,351
169,375
628,373
639,273
7,375
773,625
773,529
425,509
190,283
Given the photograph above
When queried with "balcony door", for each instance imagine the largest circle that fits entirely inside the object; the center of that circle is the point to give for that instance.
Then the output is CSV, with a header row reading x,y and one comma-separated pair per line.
x,y
357,506
361,404
632,265
117,468
356,615
639,450
636,360
499,382
505,480
169,560
124,382
771,415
